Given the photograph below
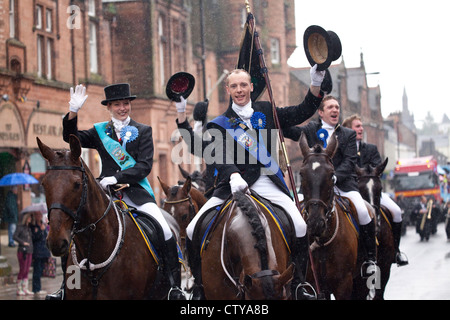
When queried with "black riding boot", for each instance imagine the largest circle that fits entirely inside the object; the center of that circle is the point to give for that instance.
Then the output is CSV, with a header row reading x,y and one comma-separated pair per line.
x,y
300,260
367,234
195,264
400,259
172,268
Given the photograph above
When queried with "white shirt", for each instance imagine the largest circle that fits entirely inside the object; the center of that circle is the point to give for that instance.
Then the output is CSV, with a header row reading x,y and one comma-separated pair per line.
x,y
245,112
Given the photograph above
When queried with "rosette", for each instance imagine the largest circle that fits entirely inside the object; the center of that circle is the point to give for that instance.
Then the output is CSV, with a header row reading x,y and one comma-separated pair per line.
x,y
258,120
128,134
322,134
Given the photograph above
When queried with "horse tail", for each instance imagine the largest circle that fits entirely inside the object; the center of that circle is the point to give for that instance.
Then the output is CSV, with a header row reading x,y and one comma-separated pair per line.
x,y
259,233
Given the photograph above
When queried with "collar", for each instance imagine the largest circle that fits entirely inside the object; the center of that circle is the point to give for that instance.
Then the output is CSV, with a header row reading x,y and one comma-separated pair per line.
x,y
245,112
119,125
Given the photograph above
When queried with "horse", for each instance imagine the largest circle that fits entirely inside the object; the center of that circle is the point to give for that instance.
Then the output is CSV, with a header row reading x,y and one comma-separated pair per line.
x,y
197,178
182,203
246,256
334,241
99,240
370,187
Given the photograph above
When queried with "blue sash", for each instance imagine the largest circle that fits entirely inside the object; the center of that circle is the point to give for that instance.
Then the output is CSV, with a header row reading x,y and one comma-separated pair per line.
x,y
123,159
257,150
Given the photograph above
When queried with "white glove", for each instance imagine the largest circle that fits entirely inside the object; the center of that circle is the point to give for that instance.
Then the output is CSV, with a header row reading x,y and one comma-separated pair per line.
x,y
77,98
107,181
237,183
334,179
181,106
316,76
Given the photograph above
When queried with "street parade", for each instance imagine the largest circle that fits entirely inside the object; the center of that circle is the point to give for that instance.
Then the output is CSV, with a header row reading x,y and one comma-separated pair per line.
x,y
165,150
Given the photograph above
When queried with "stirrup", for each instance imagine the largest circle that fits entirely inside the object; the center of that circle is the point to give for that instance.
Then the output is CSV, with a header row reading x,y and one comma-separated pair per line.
x,y
401,259
178,292
304,285
368,268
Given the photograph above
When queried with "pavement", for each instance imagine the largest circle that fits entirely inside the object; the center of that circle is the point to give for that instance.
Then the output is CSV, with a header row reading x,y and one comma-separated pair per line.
x,y
8,284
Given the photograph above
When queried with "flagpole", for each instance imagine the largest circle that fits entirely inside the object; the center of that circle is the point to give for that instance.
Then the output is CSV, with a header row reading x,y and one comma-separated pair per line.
x,y
265,72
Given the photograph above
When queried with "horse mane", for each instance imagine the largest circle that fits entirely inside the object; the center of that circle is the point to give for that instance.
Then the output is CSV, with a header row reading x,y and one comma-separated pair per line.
x,y
249,210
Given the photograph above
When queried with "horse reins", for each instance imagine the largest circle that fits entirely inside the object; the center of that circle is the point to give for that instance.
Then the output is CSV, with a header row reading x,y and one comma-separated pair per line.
x,y
192,212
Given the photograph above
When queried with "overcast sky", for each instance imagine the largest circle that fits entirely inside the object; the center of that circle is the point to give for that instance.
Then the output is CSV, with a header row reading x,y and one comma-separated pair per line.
x,y
407,42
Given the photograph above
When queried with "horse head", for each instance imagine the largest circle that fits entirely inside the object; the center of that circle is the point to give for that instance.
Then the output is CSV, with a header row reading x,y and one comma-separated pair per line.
x,y
369,182
197,178
317,173
182,203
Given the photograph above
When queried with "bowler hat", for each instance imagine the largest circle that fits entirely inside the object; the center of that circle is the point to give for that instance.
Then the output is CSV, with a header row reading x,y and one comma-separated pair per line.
x,y
180,84
321,47
120,91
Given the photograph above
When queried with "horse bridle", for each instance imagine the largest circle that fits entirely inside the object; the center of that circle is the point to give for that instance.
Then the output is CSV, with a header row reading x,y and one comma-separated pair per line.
x,y
76,216
191,205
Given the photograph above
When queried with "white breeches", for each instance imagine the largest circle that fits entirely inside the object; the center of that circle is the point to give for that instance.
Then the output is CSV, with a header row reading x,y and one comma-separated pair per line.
x,y
268,190
153,210
392,207
359,203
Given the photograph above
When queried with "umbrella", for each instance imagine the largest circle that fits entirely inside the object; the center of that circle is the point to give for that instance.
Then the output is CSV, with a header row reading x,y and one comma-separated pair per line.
x,y
39,207
13,179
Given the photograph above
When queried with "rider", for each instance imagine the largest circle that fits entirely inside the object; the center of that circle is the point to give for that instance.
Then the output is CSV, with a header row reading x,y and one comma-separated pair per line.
x,y
238,174
134,141
368,155
344,160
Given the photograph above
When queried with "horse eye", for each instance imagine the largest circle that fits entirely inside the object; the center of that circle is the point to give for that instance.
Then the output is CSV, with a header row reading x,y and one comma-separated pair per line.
x,y
77,185
184,217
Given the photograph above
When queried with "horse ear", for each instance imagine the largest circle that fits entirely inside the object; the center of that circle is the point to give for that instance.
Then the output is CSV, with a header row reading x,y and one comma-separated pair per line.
x,y
380,168
187,185
359,171
332,146
184,173
164,186
75,147
46,152
304,145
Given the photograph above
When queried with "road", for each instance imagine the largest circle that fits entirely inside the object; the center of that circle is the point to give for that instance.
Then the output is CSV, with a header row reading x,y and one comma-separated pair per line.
x,y
427,277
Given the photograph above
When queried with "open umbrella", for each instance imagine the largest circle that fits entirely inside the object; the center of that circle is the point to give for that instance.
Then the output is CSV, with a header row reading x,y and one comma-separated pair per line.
x,y
13,179
36,207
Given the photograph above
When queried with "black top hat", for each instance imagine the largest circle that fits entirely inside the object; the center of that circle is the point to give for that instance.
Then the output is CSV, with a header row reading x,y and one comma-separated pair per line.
x,y
321,47
120,91
180,84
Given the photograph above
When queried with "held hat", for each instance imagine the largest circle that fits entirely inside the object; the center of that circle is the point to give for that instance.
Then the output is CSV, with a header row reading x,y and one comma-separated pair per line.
x,y
321,47
120,91
179,85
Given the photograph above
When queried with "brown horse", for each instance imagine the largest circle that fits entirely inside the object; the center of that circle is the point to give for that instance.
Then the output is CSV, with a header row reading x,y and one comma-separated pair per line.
x,y
246,256
107,256
370,187
182,203
334,248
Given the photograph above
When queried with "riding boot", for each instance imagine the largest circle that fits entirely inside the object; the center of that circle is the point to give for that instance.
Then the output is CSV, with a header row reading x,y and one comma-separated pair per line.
x,y
172,268
400,259
367,233
195,264
300,260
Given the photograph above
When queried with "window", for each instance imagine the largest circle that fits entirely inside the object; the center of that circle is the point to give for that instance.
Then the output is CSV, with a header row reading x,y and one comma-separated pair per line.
x,y
275,51
40,55
38,17
48,20
49,55
12,19
93,61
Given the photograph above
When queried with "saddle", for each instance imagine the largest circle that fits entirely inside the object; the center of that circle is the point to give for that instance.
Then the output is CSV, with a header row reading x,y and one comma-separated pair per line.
x,y
210,219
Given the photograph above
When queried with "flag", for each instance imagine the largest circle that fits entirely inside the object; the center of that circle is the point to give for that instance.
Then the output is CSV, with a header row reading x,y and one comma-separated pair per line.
x,y
249,58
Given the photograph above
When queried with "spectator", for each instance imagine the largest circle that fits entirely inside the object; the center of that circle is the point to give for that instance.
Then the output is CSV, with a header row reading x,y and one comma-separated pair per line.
x,y
10,213
40,251
24,253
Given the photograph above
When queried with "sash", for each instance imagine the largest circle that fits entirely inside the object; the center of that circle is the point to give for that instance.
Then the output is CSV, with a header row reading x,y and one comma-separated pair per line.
x,y
249,143
123,159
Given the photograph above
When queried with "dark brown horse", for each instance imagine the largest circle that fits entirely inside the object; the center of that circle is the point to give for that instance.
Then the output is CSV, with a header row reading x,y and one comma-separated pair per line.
x,y
183,203
107,256
370,187
334,241
246,256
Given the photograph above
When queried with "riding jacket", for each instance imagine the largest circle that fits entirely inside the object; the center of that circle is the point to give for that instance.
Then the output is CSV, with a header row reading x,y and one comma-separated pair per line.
x,y
140,149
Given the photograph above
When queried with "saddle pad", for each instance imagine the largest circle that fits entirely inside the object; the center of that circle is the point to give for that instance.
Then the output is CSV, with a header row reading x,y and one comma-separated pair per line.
x,y
344,203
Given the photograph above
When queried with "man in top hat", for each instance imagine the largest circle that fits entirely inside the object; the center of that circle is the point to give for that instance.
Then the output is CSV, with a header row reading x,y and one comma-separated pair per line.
x,y
368,155
250,118
126,149
344,160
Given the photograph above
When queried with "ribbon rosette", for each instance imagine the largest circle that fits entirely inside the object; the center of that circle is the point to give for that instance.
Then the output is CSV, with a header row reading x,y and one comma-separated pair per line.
x,y
128,134
258,120
322,134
